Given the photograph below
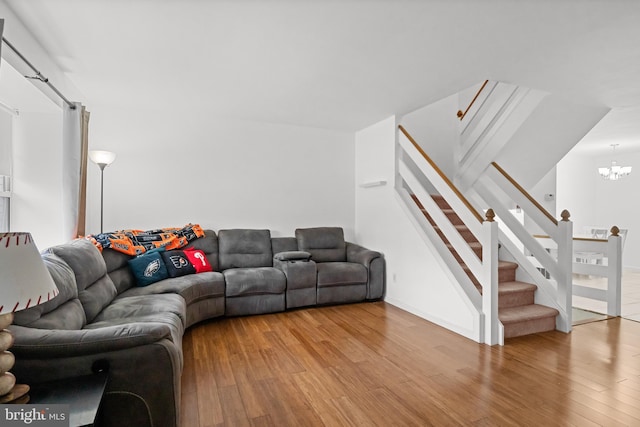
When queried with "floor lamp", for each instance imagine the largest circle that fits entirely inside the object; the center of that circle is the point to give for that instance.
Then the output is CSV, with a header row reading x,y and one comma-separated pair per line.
x,y
102,159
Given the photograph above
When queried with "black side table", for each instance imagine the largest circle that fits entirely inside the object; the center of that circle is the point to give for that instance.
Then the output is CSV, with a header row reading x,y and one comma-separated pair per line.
x,y
82,394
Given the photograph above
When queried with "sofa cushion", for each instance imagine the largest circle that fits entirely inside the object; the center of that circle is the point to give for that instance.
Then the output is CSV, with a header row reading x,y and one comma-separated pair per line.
x,y
209,245
341,273
118,269
254,281
168,309
242,248
177,263
95,288
198,260
191,288
325,244
143,305
62,312
149,267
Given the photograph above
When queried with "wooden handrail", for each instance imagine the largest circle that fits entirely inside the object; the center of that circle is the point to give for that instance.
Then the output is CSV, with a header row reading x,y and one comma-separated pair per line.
x,y
460,114
442,175
583,239
524,193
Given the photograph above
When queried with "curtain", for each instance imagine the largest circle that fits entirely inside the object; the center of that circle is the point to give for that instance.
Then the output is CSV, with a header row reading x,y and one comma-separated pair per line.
x,y
75,133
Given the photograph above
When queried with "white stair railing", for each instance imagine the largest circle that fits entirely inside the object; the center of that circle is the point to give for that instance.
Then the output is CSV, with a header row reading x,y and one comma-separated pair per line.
x,y
418,179
599,258
499,190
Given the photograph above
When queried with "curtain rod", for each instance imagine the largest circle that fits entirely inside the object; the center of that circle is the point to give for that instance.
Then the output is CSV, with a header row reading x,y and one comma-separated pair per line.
x,y
38,75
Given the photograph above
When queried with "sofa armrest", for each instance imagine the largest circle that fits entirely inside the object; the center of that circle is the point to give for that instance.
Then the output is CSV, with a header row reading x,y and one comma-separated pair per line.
x,y
361,255
376,269
292,256
46,343
144,368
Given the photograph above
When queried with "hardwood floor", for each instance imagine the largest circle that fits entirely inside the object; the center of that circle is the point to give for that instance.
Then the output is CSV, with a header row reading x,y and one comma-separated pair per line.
x,y
374,364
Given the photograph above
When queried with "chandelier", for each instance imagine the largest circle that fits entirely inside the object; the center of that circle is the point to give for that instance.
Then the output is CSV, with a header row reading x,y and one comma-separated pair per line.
x,y
614,172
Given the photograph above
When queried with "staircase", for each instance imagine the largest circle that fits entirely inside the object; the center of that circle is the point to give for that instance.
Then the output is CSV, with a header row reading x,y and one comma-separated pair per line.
x,y
517,310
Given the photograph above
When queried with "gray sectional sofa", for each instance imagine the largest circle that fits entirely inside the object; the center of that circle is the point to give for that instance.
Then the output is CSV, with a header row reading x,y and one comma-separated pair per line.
x,y
102,320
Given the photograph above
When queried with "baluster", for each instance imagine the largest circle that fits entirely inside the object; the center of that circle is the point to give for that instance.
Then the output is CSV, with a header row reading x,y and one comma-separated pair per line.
x,y
565,268
614,285
493,332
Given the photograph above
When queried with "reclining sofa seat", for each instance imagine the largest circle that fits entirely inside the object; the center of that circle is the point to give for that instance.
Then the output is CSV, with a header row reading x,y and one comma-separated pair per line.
x,y
253,285
346,272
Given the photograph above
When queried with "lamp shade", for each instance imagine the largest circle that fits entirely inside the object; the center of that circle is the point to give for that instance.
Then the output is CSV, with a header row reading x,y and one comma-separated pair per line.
x,y
101,157
24,279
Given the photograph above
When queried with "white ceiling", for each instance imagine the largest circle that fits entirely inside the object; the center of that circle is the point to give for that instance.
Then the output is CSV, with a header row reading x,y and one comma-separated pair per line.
x,y
340,64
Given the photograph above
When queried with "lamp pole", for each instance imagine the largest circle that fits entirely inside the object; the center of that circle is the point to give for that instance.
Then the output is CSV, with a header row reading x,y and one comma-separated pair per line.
x,y
102,166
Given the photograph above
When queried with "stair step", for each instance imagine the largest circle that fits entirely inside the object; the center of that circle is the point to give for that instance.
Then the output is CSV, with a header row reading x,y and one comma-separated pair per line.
x,y
506,272
515,294
528,319
453,216
465,233
475,247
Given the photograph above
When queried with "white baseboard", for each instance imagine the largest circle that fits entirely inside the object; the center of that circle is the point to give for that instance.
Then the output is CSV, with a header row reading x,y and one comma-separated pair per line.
x,y
471,334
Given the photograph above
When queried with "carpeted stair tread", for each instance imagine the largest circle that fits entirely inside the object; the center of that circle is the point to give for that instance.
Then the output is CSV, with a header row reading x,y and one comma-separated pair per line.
x,y
515,294
507,265
502,265
526,313
472,245
515,287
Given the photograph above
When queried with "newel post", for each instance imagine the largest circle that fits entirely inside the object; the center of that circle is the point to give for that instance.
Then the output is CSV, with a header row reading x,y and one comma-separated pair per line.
x,y
614,286
493,332
565,268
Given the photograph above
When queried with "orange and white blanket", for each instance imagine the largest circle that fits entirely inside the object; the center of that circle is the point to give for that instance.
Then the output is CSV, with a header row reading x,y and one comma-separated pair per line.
x,y
136,242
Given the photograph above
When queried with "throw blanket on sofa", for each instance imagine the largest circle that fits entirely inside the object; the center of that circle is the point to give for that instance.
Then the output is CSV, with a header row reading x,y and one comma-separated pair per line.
x,y
136,242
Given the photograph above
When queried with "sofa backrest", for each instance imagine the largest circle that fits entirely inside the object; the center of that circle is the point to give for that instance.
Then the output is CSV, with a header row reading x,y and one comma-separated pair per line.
x,y
118,269
95,288
325,244
65,310
241,248
283,244
209,245
122,277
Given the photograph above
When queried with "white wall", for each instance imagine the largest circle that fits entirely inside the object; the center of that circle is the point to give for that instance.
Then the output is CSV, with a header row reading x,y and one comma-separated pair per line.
x,y
545,189
576,189
593,201
437,130
6,120
176,167
37,177
416,281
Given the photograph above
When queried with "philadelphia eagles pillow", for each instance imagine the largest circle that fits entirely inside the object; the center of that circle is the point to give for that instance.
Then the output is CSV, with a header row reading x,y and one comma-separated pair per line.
x,y
149,267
